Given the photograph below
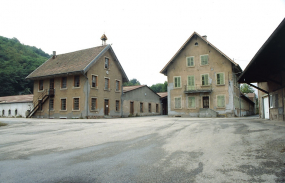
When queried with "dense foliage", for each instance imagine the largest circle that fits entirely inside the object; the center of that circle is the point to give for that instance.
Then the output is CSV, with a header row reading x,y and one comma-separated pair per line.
x,y
159,87
17,61
133,82
245,88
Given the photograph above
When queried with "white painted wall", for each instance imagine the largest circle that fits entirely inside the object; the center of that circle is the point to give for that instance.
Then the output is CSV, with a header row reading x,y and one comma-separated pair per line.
x,y
21,109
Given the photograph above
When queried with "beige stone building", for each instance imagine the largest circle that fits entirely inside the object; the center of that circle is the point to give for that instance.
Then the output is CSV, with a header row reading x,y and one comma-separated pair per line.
x,y
140,100
81,84
202,81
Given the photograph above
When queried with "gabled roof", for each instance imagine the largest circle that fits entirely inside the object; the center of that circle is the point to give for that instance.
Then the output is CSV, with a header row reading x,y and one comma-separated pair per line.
x,y
162,94
163,71
131,88
268,61
74,63
16,99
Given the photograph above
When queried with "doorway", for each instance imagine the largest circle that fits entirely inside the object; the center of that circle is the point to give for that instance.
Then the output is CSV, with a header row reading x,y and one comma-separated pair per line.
x,y
265,108
106,108
206,102
132,108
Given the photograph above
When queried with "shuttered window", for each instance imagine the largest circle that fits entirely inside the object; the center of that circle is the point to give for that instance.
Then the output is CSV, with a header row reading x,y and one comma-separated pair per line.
x,y
220,79
204,59
191,102
205,79
177,82
191,83
190,61
220,101
177,103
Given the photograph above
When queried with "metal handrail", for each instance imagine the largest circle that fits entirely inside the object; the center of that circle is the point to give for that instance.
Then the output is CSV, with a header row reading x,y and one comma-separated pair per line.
x,y
198,87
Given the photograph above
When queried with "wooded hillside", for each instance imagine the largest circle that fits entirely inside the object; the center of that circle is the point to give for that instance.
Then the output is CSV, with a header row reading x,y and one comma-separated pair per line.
x,y
16,62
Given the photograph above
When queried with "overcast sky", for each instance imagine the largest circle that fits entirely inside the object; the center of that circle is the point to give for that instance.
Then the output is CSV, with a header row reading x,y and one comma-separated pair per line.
x,y
144,34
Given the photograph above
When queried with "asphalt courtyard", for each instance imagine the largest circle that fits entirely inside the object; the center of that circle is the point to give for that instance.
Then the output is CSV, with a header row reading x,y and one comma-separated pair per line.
x,y
142,149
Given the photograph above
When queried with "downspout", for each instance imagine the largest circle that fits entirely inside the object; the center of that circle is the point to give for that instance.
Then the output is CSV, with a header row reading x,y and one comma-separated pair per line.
x,y
239,101
87,94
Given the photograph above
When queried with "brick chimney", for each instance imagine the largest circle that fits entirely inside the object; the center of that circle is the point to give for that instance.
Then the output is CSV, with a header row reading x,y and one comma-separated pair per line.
x,y
205,37
53,54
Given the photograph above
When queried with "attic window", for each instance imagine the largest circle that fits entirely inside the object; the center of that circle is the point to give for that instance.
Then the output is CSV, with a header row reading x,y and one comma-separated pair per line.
x,y
196,44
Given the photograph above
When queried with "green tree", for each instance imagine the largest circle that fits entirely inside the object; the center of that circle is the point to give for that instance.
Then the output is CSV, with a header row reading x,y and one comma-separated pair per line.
x,y
132,82
245,88
159,87
17,61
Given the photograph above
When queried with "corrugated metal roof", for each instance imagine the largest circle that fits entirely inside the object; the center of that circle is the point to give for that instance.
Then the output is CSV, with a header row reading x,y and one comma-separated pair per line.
x,y
17,98
182,47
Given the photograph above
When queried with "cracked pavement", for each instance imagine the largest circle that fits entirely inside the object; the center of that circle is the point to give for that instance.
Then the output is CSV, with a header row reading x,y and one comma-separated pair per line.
x,y
142,149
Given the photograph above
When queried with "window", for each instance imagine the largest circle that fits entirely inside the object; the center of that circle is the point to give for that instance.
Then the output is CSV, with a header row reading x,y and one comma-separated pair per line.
x,y
190,61
41,85
117,85
191,102
93,104
177,81
106,63
76,81
75,103
191,83
9,112
117,105
3,112
220,79
63,82
16,112
63,104
149,107
156,108
205,79
220,101
204,59
273,101
141,107
94,81
177,103
51,101
196,44
106,84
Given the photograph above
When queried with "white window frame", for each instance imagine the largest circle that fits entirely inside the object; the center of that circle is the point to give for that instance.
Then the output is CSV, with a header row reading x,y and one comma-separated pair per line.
x,y
224,101
193,61
217,78
188,102
180,102
201,60
174,81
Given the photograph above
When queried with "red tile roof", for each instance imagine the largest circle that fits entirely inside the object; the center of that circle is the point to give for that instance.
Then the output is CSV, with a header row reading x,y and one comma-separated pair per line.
x,y
162,94
17,98
130,88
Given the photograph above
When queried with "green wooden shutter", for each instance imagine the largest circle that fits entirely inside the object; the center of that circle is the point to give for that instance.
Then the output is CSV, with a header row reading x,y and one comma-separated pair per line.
x,y
175,82
191,83
190,61
222,81
204,59
191,102
221,101
179,83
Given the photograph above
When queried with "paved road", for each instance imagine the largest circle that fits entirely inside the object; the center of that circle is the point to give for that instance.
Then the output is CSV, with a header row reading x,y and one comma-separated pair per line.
x,y
143,149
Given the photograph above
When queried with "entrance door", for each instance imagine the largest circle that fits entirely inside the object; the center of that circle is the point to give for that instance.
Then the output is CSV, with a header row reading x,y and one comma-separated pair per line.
x,y
106,110
205,102
132,108
265,108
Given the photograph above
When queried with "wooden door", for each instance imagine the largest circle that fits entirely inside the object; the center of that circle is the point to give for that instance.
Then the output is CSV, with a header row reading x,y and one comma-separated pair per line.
x,y
132,108
205,102
265,108
106,110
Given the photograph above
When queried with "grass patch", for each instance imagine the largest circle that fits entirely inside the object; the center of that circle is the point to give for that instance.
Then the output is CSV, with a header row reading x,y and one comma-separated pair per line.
x,y
3,124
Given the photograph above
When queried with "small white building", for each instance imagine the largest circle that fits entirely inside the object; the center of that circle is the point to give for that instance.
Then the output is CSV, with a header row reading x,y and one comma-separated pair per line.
x,y
15,106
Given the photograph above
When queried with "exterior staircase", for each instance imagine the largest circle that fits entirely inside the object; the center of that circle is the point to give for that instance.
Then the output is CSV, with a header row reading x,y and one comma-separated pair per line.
x,y
38,102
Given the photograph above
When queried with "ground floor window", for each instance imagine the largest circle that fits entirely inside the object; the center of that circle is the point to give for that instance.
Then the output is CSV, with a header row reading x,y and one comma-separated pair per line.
x,y
117,105
63,104
221,101
191,102
93,104
16,112
149,107
177,103
3,112
141,107
9,112
51,101
75,103
156,108
40,105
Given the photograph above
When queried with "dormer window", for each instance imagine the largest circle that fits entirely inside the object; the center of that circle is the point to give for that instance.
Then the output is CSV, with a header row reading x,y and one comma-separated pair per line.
x,y
196,44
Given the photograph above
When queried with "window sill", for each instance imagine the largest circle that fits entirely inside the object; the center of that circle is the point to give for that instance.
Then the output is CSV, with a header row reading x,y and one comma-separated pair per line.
x,y
75,87
95,88
191,66
205,85
40,90
192,108
221,107
63,110
96,110
118,91
220,84
63,88
177,108
75,110
107,90
177,87
51,110
204,65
